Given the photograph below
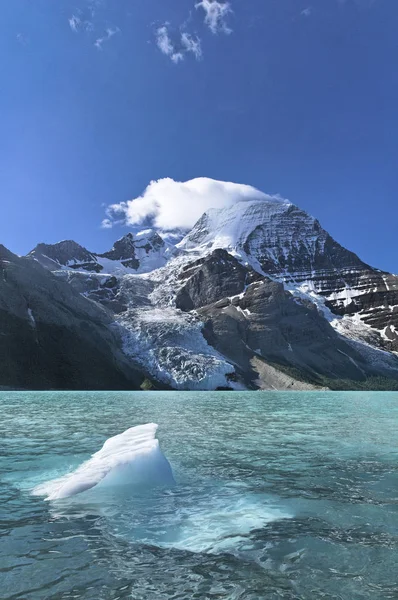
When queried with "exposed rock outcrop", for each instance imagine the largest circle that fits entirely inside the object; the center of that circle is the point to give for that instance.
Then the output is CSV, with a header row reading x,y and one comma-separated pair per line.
x,y
65,254
217,276
140,252
250,323
52,337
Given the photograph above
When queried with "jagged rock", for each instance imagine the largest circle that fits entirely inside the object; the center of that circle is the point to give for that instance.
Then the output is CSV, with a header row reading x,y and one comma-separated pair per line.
x,y
65,254
124,250
218,276
140,252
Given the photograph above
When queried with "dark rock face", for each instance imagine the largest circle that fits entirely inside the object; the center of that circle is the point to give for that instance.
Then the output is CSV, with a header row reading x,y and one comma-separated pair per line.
x,y
349,285
248,316
129,249
267,322
294,243
124,250
52,337
65,253
217,276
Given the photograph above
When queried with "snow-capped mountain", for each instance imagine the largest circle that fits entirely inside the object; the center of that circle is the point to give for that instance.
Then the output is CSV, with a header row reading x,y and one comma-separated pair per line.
x,y
67,254
52,337
256,295
133,253
286,243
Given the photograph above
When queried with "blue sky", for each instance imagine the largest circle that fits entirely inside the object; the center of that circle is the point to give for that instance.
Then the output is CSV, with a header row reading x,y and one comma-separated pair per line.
x,y
296,97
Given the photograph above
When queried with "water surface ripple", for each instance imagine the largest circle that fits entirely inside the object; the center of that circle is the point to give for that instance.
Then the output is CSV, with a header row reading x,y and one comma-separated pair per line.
x,y
278,495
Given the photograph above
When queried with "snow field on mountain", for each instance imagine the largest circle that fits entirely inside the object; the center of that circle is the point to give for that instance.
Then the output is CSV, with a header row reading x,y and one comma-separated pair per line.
x,y
230,227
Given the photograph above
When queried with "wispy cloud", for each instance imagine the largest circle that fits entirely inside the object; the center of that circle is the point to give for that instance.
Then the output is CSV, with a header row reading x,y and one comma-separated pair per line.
x,y
192,44
216,14
176,48
75,23
110,32
166,46
306,12
22,39
81,22
87,19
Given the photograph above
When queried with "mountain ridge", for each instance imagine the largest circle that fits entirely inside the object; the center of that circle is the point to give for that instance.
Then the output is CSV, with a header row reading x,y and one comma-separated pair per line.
x,y
251,288
134,253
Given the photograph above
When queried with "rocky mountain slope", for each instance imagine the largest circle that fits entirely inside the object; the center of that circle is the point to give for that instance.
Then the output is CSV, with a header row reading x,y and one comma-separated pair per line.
x,y
139,253
257,295
280,240
257,321
53,337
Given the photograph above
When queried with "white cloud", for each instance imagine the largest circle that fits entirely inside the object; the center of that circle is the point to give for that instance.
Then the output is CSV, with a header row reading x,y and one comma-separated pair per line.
x,y
107,224
110,32
80,22
306,12
168,204
166,46
176,50
192,45
216,14
75,23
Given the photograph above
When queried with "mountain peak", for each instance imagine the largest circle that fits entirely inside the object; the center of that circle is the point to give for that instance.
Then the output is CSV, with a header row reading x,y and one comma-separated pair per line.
x,y
229,227
66,253
125,248
6,254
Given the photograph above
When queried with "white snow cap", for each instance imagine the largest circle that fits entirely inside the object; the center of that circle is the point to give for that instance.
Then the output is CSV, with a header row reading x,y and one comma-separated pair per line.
x,y
230,227
170,204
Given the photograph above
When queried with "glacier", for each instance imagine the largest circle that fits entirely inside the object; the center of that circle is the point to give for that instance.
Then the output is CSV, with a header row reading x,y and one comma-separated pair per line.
x,y
166,341
131,457
170,344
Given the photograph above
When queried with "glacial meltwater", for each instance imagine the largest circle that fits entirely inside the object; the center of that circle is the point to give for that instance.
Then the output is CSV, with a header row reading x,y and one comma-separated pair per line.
x,y
238,496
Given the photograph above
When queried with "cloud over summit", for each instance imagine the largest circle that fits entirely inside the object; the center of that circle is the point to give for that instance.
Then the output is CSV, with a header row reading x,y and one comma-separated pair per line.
x,y
169,204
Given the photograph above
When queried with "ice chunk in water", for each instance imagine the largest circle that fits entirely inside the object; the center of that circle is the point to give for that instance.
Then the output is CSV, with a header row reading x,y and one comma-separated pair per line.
x,y
130,457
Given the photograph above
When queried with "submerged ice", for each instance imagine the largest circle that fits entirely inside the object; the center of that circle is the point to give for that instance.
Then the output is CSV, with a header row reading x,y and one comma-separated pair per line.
x,y
198,515
132,457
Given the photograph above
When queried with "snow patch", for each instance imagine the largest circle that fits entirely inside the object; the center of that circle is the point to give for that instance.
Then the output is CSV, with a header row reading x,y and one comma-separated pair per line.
x,y
31,318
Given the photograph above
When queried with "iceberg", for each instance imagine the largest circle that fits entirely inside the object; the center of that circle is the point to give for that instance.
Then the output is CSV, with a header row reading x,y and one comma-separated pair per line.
x,y
132,457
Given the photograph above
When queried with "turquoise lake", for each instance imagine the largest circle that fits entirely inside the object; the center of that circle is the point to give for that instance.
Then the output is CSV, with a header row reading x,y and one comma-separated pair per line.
x,y
277,495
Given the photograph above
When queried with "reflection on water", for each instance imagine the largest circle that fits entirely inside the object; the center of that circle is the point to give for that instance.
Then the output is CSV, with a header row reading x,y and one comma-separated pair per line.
x,y
278,496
